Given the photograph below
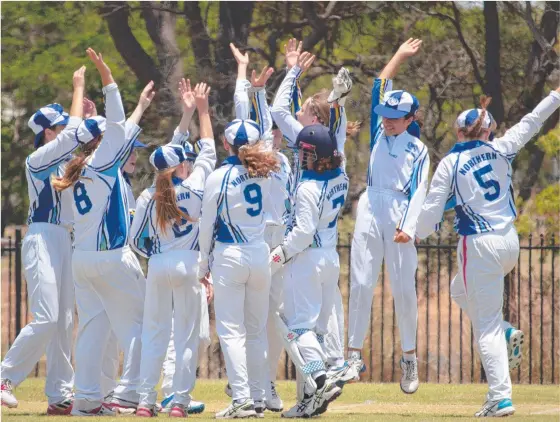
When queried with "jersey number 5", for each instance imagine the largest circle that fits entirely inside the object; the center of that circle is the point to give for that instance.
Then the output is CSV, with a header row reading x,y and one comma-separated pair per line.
x,y
487,184
253,195
83,203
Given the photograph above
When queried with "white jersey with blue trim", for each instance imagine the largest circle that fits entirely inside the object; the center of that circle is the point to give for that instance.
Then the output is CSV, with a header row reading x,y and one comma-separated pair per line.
x,y
475,178
46,205
146,237
232,208
319,200
100,196
397,163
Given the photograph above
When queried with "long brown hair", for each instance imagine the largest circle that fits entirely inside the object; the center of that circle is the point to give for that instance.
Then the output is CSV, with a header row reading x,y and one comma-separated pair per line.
x,y
258,161
325,164
167,210
75,166
322,110
476,129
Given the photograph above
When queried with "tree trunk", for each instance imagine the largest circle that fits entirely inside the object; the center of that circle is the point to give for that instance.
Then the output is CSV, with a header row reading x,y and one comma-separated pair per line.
x,y
492,56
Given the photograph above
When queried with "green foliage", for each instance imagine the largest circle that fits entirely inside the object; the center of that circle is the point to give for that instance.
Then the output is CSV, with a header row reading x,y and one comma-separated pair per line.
x,y
550,143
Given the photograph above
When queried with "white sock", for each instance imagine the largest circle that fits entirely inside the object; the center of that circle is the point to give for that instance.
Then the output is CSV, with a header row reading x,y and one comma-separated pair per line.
x,y
409,357
355,354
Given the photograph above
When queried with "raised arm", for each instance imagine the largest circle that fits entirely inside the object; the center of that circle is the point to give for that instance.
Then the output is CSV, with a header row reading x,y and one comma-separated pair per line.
x,y
434,205
408,49
242,85
260,111
206,160
41,162
517,136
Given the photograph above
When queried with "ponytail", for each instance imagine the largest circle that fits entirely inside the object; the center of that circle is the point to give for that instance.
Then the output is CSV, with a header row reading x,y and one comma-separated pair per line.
x,y
167,210
75,166
258,161
475,130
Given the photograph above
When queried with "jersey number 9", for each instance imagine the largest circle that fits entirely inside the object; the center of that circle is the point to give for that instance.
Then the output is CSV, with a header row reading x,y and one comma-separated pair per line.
x,y
83,203
487,184
253,195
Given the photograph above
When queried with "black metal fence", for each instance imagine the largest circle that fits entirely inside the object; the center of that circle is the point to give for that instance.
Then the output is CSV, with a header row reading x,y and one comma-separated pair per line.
x,y
445,346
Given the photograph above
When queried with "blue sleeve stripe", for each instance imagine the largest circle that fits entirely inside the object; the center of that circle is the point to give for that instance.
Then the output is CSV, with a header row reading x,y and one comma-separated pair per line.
x,y
53,163
125,150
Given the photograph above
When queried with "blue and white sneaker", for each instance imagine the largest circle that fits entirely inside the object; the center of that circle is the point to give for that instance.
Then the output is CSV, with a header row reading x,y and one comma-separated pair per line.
x,y
514,340
349,372
496,408
194,408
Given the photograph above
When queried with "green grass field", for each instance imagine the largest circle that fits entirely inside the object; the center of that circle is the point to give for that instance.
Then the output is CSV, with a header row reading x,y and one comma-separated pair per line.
x,y
359,402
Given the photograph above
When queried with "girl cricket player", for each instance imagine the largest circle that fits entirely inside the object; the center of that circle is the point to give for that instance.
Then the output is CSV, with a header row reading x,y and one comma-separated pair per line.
x,y
476,177
387,214
108,279
275,207
311,275
165,229
232,247
316,109
50,287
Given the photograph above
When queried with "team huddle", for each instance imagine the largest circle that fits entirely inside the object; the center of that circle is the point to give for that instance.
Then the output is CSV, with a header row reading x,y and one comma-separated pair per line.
x,y
256,234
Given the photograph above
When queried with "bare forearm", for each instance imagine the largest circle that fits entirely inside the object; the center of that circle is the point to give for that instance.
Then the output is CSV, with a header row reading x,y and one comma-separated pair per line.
x,y
205,125
391,68
77,107
137,114
185,121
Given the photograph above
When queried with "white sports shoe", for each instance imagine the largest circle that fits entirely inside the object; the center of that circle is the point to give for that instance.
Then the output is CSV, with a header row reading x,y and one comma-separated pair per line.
x,y
496,408
409,379
259,409
322,397
298,410
8,398
514,339
274,402
238,410
122,406
349,372
98,411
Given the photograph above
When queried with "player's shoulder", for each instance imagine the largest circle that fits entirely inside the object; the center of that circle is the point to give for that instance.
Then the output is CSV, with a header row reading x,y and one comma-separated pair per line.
x,y
147,194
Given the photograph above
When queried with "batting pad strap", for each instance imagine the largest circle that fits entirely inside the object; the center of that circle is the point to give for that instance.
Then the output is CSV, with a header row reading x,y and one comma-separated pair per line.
x,y
320,338
314,366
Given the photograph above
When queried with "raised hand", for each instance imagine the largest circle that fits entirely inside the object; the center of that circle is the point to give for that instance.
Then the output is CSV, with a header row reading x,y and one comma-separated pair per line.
x,y
305,60
79,80
89,108
410,47
240,58
97,60
292,51
201,92
147,96
266,72
187,96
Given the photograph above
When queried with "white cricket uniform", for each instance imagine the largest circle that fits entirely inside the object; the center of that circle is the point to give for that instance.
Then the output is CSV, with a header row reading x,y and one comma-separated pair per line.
x,y
475,178
397,183
232,235
286,104
173,290
47,254
110,286
312,268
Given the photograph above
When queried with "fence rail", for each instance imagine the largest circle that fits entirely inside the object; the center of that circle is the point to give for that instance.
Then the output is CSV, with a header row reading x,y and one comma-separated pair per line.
x,y
445,346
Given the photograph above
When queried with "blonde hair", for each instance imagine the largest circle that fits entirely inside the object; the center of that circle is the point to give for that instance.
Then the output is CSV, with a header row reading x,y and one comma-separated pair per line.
x,y
75,166
476,129
167,210
322,110
258,161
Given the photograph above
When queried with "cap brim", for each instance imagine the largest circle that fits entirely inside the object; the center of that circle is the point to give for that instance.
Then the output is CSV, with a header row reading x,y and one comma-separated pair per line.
x,y
387,112
138,144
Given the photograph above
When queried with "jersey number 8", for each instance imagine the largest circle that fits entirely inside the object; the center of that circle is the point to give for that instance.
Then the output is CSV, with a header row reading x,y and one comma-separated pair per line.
x,y
83,203
253,195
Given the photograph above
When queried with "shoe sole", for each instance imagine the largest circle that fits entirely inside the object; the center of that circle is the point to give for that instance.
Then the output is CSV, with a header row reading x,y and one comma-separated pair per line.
x,y
515,342
10,406
408,392
325,405
505,412
275,409
195,411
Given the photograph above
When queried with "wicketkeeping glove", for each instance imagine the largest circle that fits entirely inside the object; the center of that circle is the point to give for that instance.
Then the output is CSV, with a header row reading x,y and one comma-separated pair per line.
x,y
276,259
342,84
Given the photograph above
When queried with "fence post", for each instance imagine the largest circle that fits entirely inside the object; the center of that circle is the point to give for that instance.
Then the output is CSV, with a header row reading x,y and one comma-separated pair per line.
x,y
18,281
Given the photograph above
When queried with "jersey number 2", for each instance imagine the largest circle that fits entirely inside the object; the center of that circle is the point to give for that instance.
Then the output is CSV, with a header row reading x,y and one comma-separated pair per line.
x,y
184,228
253,195
83,203
487,184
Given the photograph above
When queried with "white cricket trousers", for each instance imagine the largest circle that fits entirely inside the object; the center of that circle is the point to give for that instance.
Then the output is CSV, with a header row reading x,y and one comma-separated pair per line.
x,y
110,290
310,285
172,296
241,276
484,260
47,265
379,212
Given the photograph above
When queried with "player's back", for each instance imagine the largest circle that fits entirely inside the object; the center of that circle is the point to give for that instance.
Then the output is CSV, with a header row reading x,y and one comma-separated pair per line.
x,y
241,218
481,186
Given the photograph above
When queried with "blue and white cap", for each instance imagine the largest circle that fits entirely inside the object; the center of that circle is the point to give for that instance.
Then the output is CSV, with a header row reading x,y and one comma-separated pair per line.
x,y
397,104
44,118
190,153
167,156
241,132
90,129
468,117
